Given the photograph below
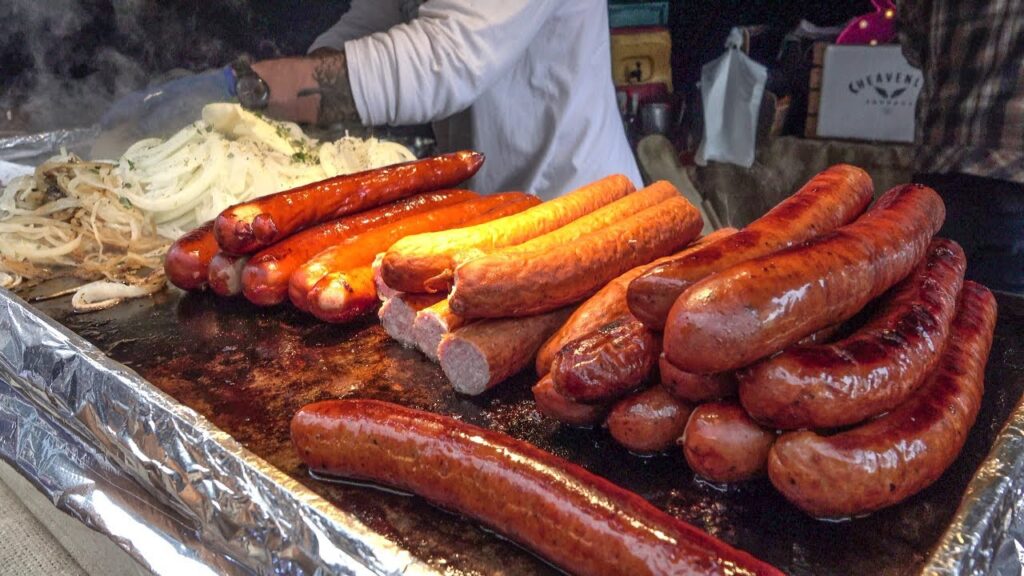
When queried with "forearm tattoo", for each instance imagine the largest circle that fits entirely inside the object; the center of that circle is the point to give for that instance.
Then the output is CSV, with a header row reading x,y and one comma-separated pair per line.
x,y
336,102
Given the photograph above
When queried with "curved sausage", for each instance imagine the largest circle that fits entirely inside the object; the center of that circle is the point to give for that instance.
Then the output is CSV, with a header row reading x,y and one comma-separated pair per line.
x,y
225,274
265,276
343,296
250,226
482,354
607,363
360,249
723,444
872,371
539,276
831,199
578,521
607,304
892,457
187,264
567,411
425,263
758,307
384,292
398,313
648,422
432,324
695,387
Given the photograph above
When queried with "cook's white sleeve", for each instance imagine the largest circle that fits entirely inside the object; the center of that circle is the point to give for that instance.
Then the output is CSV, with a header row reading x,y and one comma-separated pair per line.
x,y
363,18
439,63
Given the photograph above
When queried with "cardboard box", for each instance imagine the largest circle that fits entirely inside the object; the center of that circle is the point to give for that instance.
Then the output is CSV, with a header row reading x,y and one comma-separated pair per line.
x,y
863,93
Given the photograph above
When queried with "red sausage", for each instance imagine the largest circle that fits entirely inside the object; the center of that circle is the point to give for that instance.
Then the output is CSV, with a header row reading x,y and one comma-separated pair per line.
x,y
566,410
892,457
872,371
265,276
649,421
225,274
829,200
756,308
695,387
606,363
723,444
578,521
251,226
187,263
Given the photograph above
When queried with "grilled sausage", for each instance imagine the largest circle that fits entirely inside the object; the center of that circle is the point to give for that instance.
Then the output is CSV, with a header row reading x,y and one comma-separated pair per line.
x,y
251,226
574,519
384,292
225,274
482,354
265,276
606,304
187,264
425,263
723,444
761,306
872,371
432,324
398,313
695,387
607,363
890,458
829,200
541,275
360,250
343,296
567,411
648,422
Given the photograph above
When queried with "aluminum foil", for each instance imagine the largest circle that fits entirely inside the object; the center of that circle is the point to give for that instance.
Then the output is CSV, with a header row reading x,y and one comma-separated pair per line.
x,y
176,493
34,149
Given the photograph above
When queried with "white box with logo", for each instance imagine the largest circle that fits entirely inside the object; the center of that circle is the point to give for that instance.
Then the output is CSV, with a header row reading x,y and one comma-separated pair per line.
x,y
868,93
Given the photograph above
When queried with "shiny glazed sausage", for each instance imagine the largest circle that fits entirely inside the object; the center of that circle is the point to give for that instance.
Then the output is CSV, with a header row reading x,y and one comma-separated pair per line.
x,y
187,264
649,421
723,444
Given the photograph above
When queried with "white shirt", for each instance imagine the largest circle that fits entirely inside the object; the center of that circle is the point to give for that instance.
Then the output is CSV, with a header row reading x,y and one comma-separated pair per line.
x,y
526,82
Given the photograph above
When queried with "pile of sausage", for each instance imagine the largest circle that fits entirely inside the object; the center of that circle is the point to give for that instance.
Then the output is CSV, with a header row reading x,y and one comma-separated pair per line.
x,y
481,300
315,244
835,348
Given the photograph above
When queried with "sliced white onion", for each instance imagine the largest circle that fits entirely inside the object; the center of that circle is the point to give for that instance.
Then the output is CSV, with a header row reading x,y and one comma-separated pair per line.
x,y
104,294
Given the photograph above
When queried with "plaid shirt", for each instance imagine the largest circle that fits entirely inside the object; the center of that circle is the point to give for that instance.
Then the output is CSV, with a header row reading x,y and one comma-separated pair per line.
x,y
970,117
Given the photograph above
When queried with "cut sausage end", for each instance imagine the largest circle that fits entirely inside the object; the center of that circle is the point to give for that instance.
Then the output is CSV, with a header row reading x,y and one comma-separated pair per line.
x,y
465,366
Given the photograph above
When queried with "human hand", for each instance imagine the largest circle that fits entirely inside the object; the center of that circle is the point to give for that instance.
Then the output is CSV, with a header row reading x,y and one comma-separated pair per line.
x,y
287,78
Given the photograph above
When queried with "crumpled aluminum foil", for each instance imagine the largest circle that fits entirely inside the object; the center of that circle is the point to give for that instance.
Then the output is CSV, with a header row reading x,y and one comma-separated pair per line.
x,y
179,495
34,149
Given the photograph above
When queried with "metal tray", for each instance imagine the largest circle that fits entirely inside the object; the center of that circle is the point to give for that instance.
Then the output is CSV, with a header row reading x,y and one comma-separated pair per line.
x,y
250,506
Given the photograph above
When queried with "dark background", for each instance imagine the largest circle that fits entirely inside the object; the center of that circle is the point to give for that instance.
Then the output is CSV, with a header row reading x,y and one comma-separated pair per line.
x,y
63,61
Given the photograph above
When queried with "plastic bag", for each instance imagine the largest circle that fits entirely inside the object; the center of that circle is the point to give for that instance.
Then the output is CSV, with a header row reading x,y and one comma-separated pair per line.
x,y
731,90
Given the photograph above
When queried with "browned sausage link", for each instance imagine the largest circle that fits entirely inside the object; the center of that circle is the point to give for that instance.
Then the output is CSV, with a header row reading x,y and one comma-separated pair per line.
x,y
567,411
432,324
265,277
829,200
892,457
360,249
723,444
607,304
187,264
872,371
695,387
482,354
761,306
250,226
225,274
384,292
398,314
425,262
649,421
576,520
607,363
343,296
532,279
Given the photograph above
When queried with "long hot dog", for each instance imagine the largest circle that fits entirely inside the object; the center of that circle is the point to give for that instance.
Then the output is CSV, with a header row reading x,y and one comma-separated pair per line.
x,y
761,306
542,274
892,457
873,370
723,444
829,200
425,262
251,226
576,520
265,276
187,264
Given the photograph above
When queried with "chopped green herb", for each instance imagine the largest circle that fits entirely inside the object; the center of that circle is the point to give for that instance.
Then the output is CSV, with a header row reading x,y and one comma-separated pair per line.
x,y
131,165
125,202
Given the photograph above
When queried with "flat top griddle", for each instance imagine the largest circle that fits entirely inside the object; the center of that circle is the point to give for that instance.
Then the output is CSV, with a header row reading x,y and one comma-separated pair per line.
x,y
248,369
